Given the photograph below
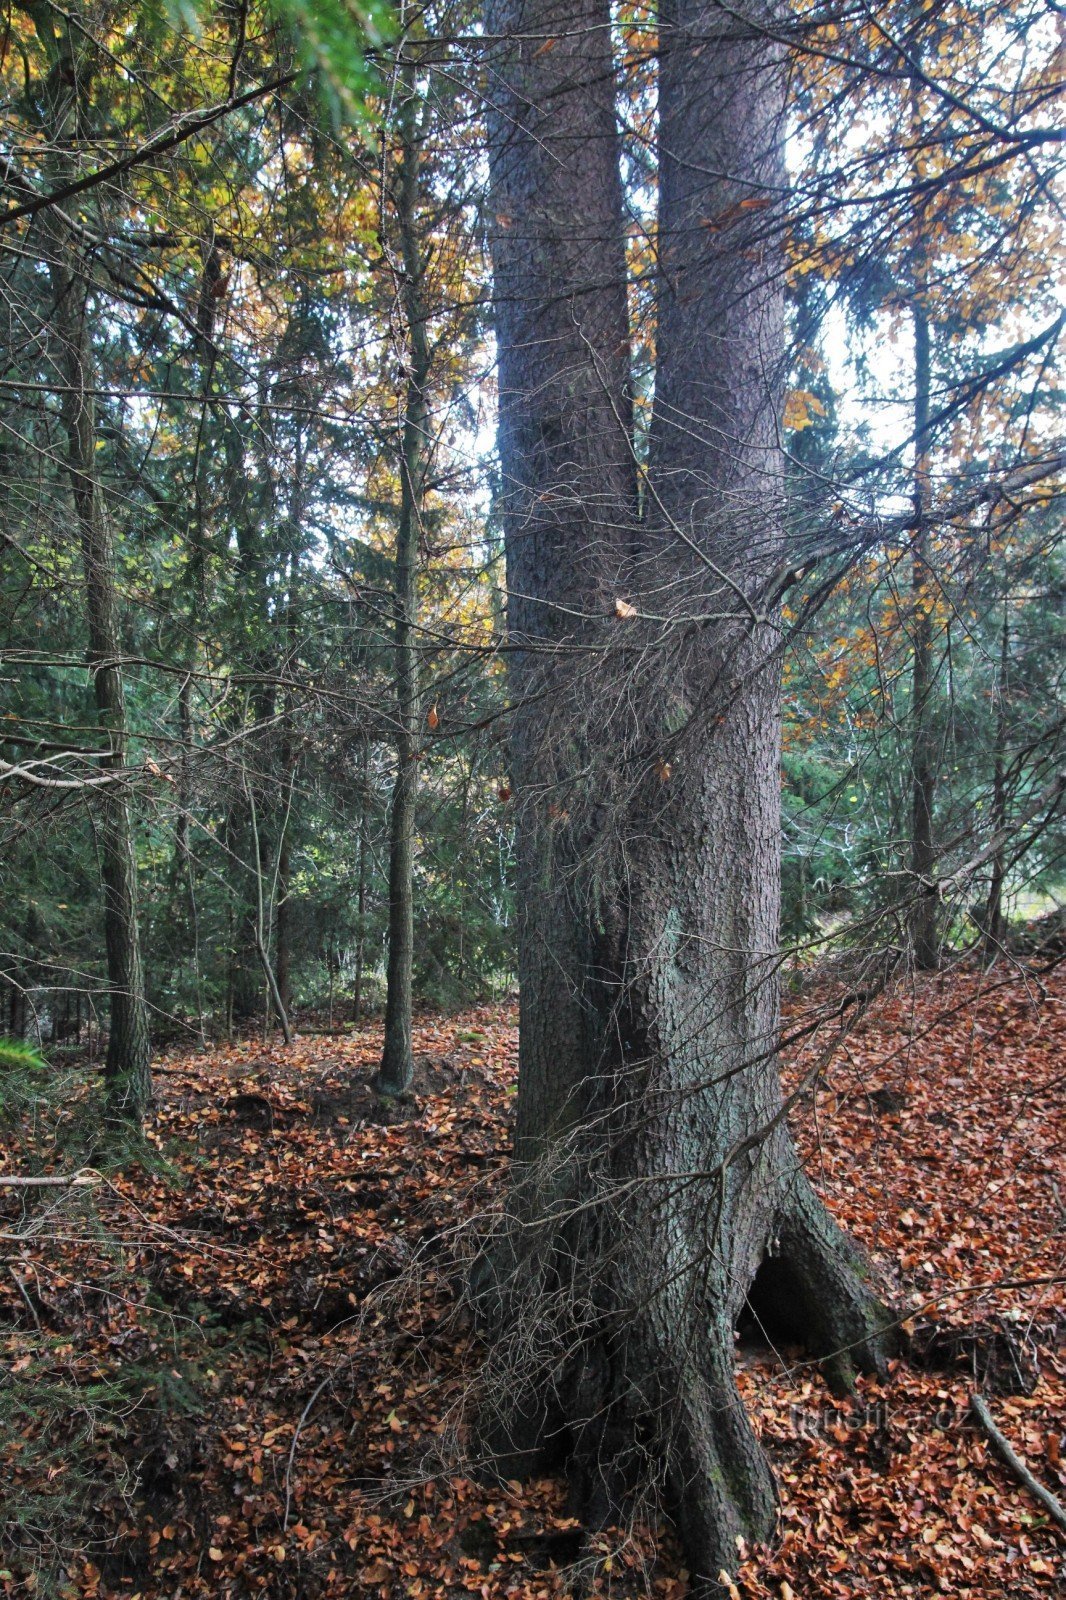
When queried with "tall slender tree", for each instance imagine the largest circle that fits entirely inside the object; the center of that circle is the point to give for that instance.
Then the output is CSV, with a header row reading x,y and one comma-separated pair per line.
x,y
397,1063
68,99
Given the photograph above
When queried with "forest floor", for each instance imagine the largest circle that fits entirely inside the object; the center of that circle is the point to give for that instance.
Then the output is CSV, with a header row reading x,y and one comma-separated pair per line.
x,y
279,1313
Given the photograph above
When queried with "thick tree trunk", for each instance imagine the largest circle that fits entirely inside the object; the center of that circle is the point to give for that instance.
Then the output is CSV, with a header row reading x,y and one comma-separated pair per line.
x,y
397,1062
654,1173
569,498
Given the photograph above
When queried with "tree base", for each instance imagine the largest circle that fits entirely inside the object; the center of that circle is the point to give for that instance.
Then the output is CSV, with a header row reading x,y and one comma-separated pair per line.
x,y
642,1404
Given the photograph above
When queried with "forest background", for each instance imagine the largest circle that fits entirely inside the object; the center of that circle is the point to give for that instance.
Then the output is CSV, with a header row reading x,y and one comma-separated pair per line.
x,y
251,286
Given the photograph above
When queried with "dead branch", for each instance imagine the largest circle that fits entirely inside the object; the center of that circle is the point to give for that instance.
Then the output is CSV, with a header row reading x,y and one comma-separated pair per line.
x,y
983,1417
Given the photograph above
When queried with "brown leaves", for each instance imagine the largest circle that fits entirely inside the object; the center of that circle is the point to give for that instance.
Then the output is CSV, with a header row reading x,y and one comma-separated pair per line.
x,y
301,1199
736,213
946,1179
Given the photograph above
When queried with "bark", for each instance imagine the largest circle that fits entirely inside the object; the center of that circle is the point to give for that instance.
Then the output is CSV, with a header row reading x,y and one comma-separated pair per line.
x,y
282,928
397,1062
925,913
654,1173
925,932
568,497
127,1064
360,891
251,511
287,748
995,920
184,864
262,931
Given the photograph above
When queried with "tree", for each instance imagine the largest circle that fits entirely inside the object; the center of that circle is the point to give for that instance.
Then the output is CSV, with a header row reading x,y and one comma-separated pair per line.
x,y
68,98
414,450
657,1186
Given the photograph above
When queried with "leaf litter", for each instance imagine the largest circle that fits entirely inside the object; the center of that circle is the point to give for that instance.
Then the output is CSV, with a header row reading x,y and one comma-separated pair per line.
x,y
294,1434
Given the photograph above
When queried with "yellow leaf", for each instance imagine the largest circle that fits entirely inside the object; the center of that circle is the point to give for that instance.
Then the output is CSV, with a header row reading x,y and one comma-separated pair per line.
x,y
801,408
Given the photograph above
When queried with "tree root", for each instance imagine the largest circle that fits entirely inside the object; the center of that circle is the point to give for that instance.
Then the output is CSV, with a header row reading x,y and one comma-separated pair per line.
x,y
983,1417
814,1289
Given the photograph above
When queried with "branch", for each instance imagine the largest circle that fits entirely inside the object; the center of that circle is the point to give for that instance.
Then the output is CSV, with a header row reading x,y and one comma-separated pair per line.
x,y
184,127
77,1180
859,533
1048,798
983,1417
28,775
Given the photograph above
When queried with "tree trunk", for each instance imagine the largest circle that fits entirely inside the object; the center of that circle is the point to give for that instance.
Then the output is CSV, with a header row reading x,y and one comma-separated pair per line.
x,y
184,864
995,920
360,891
288,759
925,913
128,1060
654,1173
283,927
925,931
397,1062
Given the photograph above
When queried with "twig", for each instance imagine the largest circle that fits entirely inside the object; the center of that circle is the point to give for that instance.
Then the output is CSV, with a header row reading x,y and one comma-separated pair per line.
x,y
304,1414
25,1295
77,1180
983,1417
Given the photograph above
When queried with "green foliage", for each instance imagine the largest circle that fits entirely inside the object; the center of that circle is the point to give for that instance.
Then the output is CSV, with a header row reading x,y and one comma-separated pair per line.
x,y
24,1082
333,39
17,1058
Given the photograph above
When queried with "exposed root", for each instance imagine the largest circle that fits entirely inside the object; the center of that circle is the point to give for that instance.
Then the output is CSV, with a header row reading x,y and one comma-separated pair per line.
x,y
814,1289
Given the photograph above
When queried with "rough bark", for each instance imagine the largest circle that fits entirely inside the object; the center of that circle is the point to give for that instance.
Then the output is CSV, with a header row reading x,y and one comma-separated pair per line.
x,y
397,1062
251,511
360,889
568,496
654,1172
